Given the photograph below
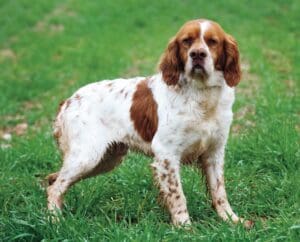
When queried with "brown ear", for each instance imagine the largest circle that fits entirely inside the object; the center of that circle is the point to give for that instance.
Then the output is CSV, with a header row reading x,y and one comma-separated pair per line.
x,y
170,63
231,68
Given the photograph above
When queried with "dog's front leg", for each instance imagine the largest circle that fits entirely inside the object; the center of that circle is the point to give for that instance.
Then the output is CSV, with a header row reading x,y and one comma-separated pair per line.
x,y
167,176
213,165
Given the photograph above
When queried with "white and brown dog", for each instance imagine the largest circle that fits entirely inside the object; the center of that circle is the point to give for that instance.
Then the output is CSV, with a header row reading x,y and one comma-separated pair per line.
x,y
180,115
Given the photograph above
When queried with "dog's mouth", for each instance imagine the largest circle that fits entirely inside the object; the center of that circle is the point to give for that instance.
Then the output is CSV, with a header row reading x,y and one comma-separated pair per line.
x,y
198,70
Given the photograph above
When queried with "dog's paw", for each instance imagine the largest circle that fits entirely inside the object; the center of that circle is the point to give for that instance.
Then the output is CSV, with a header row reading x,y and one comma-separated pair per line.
x,y
181,220
248,224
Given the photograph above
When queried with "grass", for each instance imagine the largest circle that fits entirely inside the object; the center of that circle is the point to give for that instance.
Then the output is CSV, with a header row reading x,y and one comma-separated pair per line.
x,y
50,48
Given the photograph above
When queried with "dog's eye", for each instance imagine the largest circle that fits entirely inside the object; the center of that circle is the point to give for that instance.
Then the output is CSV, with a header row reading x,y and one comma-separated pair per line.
x,y
187,41
212,42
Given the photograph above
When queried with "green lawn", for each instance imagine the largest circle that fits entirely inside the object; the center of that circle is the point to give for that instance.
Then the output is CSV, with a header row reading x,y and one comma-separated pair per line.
x,y
50,48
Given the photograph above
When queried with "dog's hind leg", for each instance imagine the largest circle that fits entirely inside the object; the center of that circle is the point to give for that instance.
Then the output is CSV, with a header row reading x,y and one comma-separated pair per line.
x,y
80,163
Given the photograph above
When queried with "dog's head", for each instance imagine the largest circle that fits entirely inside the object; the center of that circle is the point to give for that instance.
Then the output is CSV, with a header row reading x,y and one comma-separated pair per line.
x,y
198,51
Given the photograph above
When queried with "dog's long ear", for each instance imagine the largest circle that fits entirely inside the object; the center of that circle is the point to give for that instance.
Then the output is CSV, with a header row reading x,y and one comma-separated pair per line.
x,y
231,62
170,63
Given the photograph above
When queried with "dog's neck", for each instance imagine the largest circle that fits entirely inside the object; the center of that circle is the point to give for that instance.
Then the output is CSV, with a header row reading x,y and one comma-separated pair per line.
x,y
186,84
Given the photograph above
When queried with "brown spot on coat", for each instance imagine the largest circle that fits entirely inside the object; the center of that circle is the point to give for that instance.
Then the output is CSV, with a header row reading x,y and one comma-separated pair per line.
x,y
68,103
111,159
52,178
77,96
220,201
60,106
172,190
209,110
167,164
57,134
220,183
171,205
171,182
143,112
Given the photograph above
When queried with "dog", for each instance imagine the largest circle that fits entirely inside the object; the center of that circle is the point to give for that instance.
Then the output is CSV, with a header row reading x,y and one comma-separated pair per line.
x,y
180,115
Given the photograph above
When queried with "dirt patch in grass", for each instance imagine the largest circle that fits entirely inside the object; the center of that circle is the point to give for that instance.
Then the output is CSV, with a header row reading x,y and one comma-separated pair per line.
x,y
16,118
30,105
135,68
53,28
44,24
243,119
290,84
291,87
280,61
250,82
7,133
7,54
16,124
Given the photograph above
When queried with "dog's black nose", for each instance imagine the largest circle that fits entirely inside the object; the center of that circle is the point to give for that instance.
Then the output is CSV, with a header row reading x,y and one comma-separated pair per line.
x,y
198,54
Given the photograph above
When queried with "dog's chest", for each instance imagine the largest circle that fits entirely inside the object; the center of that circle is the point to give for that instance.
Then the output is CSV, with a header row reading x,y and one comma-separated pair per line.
x,y
200,116
200,135
202,132
200,124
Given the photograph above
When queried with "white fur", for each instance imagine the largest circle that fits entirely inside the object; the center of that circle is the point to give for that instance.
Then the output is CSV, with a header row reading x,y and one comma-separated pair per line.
x,y
209,64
